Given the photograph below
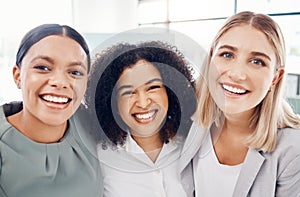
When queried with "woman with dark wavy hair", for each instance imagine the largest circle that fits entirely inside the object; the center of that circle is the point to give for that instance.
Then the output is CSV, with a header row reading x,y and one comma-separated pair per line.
x,y
143,96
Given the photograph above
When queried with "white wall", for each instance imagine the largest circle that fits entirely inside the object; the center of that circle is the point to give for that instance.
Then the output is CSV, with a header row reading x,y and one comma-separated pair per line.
x,y
87,16
105,16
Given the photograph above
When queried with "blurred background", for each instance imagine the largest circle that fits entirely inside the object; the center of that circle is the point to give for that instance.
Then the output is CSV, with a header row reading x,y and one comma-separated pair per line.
x,y
98,20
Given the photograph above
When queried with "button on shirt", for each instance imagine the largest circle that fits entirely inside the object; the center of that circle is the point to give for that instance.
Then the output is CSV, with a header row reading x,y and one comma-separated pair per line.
x,y
129,172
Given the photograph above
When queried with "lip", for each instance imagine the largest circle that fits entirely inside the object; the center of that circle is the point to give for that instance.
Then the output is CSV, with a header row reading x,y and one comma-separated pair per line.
x,y
234,85
145,117
55,101
233,90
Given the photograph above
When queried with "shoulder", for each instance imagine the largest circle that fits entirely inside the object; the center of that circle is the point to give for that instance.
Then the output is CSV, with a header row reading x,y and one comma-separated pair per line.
x,y
5,111
196,137
287,153
9,109
288,139
287,149
83,131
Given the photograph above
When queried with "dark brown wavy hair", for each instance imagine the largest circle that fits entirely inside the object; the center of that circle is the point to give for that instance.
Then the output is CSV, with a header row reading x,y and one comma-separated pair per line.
x,y
177,78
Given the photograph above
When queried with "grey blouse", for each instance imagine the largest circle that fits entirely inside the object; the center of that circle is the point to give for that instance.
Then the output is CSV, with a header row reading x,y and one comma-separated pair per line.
x,y
31,169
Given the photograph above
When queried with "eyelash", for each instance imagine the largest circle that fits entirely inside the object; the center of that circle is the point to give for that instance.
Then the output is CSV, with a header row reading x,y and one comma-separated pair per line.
x,y
228,55
149,89
76,73
261,62
154,87
127,93
42,68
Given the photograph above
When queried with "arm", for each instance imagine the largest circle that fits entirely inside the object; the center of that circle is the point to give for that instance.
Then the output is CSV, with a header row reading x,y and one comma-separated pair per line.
x,y
288,182
2,193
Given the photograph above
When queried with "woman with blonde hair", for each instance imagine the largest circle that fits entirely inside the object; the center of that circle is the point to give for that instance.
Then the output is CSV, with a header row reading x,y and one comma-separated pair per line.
x,y
245,137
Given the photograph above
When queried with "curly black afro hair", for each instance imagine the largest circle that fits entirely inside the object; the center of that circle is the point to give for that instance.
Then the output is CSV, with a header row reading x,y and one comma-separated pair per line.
x,y
177,75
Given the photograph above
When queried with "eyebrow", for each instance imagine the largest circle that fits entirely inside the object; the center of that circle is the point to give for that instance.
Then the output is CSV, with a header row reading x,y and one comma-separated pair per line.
x,y
43,57
228,47
153,80
49,59
147,83
254,53
261,54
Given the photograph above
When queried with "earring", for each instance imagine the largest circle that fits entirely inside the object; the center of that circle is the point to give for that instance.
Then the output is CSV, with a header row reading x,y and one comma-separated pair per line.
x,y
18,85
271,87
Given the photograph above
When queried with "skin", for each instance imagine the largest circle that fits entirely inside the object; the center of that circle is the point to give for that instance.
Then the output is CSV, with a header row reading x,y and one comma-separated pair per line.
x,y
143,104
242,71
53,79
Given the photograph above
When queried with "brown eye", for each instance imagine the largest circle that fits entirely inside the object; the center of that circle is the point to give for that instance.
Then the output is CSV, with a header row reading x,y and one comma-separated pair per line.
x,y
154,87
76,73
42,68
127,93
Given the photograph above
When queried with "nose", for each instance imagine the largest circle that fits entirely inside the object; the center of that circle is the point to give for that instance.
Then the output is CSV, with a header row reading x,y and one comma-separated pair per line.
x,y
237,72
59,80
236,75
143,100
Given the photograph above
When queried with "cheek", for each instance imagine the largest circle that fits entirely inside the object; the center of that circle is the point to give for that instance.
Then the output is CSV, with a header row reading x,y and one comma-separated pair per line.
x,y
80,87
123,106
263,83
166,102
263,86
30,83
163,99
216,67
31,79
213,74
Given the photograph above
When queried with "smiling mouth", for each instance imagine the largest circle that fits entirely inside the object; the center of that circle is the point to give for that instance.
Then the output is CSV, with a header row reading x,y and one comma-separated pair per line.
x,y
55,99
234,90
145,117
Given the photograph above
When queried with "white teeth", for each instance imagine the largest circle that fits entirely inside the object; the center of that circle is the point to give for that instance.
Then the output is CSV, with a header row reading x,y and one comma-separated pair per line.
x,y
55,99
234,90
145,116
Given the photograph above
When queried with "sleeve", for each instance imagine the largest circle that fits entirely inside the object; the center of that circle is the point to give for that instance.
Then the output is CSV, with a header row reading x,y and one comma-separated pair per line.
x,y
288,182
2,193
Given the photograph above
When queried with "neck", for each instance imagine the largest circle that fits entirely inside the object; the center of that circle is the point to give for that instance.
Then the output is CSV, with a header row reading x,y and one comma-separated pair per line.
x,y
229,139
151,145
238,123
37,130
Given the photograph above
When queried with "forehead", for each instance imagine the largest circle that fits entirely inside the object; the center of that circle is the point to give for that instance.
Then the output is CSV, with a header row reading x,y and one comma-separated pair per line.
x,y
138,74
54,42
247,37
57,47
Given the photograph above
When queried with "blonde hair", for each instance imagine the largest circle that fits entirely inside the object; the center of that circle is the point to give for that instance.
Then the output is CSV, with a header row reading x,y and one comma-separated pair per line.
x,y
273,112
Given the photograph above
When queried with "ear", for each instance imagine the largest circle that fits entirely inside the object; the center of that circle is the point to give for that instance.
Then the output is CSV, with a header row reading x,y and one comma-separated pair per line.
x,y
17,76
279,74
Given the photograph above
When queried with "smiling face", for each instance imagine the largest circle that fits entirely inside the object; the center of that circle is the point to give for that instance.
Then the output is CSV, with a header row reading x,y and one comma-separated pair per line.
x,y
53,79
242,70
142,99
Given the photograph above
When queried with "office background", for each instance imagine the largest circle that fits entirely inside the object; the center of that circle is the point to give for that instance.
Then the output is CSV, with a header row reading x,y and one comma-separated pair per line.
x,y
99,20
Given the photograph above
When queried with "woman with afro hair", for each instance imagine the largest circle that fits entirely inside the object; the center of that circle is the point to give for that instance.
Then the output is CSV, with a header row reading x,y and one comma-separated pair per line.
x,y
143,96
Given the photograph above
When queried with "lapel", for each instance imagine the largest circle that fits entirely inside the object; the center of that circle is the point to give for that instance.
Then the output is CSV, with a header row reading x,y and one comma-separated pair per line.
x,y
191,145
249,171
